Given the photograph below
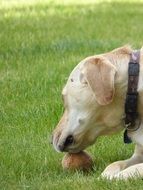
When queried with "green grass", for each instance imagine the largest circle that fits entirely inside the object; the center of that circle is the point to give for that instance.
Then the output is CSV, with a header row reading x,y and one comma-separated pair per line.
x,y
40,43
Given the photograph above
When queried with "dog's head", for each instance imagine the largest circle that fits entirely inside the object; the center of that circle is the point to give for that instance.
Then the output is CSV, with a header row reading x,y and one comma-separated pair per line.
x,y
89,89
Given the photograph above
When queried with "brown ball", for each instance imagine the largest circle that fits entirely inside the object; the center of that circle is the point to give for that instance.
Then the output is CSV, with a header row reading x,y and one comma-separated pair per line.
x,y
77,161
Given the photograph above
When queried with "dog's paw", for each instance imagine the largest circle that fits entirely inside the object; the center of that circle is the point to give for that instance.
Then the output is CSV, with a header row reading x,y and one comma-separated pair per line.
x,y
107,176
113,169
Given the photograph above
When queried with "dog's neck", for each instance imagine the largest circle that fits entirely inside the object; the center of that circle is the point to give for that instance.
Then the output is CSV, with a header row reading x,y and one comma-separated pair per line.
x,y
121,60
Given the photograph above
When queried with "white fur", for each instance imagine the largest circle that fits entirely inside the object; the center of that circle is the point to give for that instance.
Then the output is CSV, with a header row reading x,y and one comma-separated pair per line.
x,y
85,119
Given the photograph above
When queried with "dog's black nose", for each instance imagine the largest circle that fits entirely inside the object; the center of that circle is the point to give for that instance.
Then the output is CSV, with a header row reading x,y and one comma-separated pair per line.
x,y
69,140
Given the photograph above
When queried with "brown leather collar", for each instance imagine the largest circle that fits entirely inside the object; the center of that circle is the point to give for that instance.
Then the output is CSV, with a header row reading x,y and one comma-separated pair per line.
x,y
131,118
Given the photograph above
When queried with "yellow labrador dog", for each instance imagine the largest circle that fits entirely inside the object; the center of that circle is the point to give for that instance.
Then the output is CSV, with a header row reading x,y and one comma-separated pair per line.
x,y
94,98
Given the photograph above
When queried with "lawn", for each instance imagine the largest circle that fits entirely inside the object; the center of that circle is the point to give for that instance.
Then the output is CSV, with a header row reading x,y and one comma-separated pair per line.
x,y
40,43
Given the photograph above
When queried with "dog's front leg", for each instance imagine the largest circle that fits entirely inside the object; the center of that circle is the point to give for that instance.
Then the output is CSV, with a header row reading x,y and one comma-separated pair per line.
x,y
115,168
134,171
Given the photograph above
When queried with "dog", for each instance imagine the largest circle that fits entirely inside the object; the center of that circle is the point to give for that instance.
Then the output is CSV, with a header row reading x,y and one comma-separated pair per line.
x,y
94,101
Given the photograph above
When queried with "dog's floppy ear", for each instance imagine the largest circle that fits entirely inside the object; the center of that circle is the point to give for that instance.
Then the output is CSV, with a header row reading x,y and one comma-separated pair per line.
x,y
100,74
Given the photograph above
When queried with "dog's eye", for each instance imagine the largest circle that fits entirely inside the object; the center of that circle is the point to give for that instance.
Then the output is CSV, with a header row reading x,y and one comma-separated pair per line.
x,y
81,121
82,79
